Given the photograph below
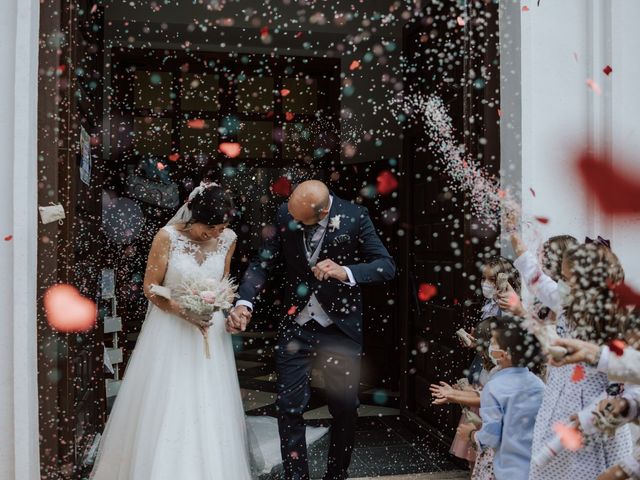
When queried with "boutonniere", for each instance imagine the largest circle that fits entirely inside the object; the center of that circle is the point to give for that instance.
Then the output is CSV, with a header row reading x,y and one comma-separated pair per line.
x,y
334,223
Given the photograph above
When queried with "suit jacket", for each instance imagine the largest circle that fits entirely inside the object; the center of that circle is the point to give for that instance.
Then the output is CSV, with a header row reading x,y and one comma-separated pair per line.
x,y
355,244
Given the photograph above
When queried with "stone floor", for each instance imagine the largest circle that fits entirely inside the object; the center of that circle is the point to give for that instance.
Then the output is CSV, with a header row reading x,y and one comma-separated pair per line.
x,y
388,445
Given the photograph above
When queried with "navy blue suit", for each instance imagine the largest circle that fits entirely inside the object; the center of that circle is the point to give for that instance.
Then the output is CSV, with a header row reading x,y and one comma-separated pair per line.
x,y
335,349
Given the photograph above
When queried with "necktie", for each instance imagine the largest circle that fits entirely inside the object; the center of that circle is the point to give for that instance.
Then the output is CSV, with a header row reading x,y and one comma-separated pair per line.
x,y
309,233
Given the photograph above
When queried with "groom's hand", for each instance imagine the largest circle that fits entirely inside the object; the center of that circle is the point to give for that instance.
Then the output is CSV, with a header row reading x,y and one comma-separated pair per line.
x,y
238,319
329,269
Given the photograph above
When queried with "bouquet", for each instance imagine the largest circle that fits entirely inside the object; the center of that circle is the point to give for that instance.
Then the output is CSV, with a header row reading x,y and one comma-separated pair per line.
x,y
203,296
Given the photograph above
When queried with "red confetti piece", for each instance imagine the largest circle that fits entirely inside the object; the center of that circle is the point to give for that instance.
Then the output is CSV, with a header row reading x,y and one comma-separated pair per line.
x,y
536,277
284,92
174,157
460,21
386,182
578,374
289,116
354,65
533,192
292,310
8,238
298,35
282,186
594,86
525,9
264,31
426,292
570,437
543,220
617,347
627,296
197,123
230,149
617,191
68,311
61,69
607,70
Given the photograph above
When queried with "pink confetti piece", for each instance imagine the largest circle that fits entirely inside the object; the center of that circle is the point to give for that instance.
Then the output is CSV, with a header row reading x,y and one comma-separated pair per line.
x,y
570,437
355,65
196,123
594,86
460,21
289,116
68,311
525,9
230,149
284,92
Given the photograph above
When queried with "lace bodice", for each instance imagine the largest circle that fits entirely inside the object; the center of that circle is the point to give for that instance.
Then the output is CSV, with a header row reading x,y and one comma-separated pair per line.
x,y
193,259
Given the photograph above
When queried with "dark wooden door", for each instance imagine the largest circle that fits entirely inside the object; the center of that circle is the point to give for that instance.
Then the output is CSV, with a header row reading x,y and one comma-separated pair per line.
x,y
70,366
448,244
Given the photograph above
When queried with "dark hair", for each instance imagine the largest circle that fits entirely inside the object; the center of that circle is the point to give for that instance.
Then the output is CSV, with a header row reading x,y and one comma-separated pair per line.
x,y
214,206
504,265
512,337
593,309
553,251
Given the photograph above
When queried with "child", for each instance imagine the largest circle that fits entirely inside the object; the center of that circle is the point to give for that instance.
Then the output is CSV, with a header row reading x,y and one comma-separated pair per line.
x,y
490,270
509,402
469,398
586,310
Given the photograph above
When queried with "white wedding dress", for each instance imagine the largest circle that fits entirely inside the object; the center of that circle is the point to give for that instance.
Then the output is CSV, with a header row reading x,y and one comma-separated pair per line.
x,y
179,414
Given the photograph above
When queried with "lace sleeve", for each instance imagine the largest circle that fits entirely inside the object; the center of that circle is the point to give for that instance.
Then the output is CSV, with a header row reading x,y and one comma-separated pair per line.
x,y
226,240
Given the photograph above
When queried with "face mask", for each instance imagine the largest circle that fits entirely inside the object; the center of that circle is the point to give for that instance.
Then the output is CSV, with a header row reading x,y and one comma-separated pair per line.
x,y
488,290
563,290
493,359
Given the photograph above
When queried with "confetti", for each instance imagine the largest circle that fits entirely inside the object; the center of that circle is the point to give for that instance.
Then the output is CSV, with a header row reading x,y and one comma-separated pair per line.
x,y
196,123
426,292
354,65
533,192
607,70
292,310
465,174
578,374
543,220
525,9
284,92
289,116
282,186
230,149
617,347
161,166
68,311
627,296
8,238
594,86
174,157
570,437
616,191
386,183
460,21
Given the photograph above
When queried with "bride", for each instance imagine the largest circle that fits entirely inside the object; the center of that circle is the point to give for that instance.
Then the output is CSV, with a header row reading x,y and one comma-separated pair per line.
x,y
179,414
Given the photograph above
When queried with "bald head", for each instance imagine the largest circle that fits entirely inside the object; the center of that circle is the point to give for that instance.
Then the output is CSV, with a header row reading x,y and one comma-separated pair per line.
x,y
309,202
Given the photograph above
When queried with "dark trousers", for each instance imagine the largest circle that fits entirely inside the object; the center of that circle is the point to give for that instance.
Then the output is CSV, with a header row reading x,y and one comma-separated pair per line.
x,y
338,356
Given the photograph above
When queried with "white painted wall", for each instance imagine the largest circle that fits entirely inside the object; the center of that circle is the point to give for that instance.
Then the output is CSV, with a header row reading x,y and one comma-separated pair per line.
x,y
19,452
562,44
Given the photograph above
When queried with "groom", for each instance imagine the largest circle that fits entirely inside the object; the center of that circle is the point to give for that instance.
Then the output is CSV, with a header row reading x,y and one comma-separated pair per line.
x,y
330,248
